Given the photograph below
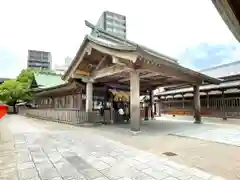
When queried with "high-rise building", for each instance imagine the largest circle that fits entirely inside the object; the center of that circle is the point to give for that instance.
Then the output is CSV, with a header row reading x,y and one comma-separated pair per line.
x,y
113,23
39,59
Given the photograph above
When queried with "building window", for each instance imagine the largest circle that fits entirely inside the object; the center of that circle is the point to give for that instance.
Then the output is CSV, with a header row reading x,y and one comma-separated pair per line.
x,y
109,16
109,29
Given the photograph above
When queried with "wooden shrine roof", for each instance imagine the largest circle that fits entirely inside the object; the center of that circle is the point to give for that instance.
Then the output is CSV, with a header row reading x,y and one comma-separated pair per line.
x,y
156,69
43,80
58,90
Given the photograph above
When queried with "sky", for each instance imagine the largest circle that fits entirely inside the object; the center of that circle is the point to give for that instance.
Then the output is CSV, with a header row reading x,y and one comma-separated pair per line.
x,y
191,31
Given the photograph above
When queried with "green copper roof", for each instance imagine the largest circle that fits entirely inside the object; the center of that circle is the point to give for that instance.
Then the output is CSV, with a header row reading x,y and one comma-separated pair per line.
x,y
47,79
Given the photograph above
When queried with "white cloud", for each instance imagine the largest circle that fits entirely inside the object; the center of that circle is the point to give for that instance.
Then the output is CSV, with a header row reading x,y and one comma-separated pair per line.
x,y
58,25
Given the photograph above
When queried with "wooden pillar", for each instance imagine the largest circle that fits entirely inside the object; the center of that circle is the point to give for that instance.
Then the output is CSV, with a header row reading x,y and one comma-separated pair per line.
x,y
80,101
63,98
223,106
89,96
146,106
53,102
105,98
135,101
183,105
197,105
71,101
151,103
207,99
158,106
172,105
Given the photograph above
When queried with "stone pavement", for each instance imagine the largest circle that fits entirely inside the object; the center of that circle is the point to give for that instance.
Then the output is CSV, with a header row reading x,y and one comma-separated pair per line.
x,y
219,135
42,154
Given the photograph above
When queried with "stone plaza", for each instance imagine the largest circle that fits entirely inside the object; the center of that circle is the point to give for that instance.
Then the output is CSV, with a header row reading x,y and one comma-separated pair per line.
x,y
32,150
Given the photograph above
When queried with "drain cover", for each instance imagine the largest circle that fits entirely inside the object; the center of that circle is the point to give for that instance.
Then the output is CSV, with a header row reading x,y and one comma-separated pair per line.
x,y
170,154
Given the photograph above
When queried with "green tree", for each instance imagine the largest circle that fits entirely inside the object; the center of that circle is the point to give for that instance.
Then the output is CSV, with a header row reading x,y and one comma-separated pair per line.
x,y
11,91
26,76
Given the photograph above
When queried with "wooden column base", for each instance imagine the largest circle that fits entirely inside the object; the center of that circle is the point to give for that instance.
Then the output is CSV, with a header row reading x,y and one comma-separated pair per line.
x,y
197,122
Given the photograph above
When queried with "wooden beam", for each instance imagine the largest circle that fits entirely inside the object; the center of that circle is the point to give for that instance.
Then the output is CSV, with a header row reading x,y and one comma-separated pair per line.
x,y
151,74
87,50
170,72
132,56
159,83
102,62
116,60
117,85
109,71
81,73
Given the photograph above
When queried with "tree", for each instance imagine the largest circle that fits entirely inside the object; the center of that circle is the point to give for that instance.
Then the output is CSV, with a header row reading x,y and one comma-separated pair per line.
x,y
26,76
11,91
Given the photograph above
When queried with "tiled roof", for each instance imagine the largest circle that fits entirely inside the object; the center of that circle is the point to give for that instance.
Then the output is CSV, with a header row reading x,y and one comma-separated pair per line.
x,y
221,71
48,79
111,41
230,84
224,70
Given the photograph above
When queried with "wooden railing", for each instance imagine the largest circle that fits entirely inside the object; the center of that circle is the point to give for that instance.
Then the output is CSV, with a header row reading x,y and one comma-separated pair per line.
x,y
68,116
229,108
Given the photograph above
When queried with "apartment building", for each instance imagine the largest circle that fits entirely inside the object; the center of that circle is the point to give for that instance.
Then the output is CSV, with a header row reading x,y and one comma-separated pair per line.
x,y
113,23
39,59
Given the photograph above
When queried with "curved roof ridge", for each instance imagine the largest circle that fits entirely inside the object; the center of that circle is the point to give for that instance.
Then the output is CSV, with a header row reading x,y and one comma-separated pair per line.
x,y
47,73
125,42
111,45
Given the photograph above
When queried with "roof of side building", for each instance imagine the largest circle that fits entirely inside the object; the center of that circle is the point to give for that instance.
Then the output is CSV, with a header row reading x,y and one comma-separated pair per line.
x,y
47,79
223,70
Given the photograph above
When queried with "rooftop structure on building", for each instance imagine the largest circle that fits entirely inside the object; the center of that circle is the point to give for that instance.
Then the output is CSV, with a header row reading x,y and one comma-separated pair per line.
x,y
223,71
39,59
113,23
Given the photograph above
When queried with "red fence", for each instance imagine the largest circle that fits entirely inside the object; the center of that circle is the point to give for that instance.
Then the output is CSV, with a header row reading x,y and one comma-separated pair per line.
x,y
3,110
